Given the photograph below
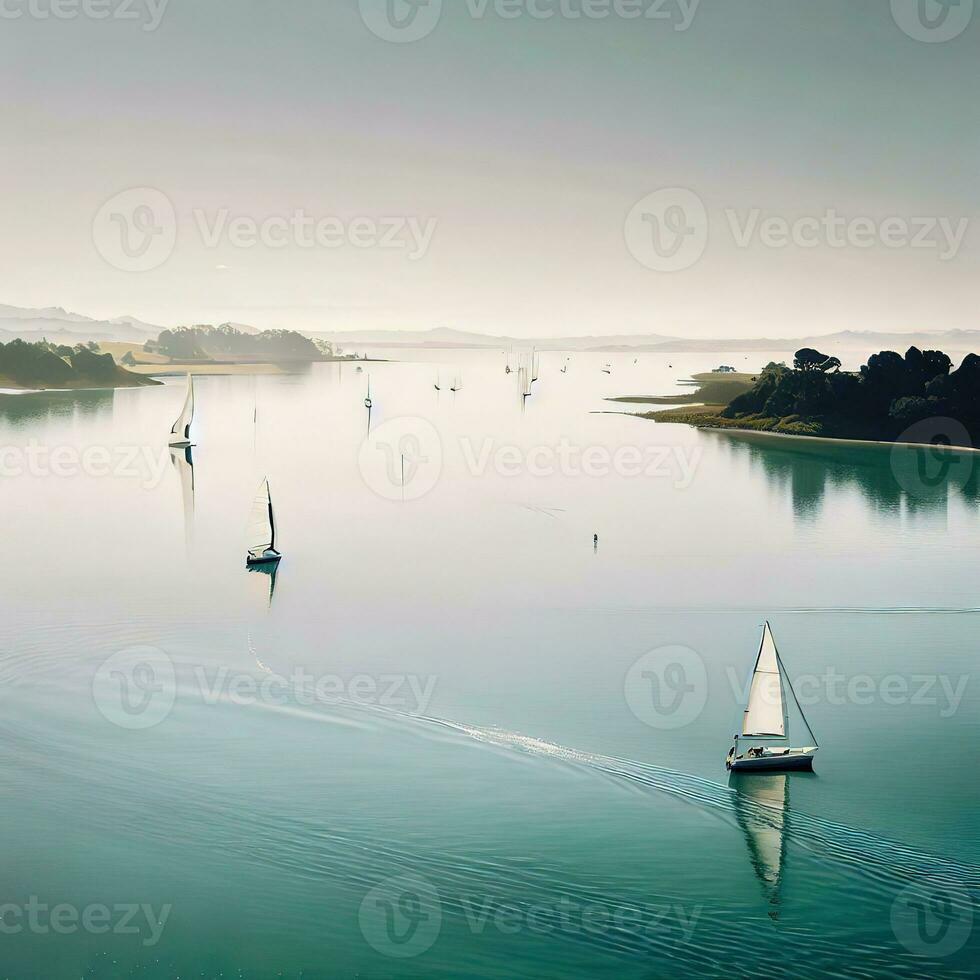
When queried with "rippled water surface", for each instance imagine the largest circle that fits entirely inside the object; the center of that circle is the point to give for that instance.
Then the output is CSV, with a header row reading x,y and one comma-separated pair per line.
x,y
432,746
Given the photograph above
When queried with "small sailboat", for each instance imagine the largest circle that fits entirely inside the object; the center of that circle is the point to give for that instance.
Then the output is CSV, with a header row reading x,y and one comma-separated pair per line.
x,y
180,434
368,403
262,530
764,741
438,384
607,369
457,384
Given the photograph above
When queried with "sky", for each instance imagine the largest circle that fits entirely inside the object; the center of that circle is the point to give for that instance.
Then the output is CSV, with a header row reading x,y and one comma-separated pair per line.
x,y
728,168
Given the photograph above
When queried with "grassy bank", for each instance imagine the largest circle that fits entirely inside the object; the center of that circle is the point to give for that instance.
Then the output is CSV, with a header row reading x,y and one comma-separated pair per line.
x,y
708,388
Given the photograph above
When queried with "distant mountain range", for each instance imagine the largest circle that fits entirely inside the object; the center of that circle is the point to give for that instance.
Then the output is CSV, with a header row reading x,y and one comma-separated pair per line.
x,y
64,327
61,326
851,340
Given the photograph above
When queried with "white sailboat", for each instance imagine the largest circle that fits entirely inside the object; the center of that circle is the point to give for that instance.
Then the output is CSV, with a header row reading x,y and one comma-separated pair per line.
x,y
180,434
764,741
368,403
262,530
457,384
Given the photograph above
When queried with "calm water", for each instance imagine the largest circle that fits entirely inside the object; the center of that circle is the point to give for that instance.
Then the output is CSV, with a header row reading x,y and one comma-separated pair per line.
x,y
451,743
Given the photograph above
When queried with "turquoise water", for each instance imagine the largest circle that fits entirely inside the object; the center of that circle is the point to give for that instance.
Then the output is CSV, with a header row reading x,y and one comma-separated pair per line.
x,y
443,746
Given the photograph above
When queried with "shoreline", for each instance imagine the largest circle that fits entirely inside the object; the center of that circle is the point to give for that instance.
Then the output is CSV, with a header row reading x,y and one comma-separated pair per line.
x,y
834,440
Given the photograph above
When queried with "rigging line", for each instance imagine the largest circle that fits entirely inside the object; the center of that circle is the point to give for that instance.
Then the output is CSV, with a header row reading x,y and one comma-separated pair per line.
x,y
782,667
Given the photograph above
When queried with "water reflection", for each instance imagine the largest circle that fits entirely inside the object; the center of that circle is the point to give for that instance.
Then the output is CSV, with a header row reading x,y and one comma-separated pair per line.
x,y
889,477
43,406
762,811
183,463
270,572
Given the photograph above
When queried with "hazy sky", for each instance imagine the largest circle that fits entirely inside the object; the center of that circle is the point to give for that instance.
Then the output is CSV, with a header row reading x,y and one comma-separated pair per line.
x,y
521,143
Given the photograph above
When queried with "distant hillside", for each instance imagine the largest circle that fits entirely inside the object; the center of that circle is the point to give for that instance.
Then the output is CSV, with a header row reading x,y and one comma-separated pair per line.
x,y
46,365
445,338
60,326
64,327
849,340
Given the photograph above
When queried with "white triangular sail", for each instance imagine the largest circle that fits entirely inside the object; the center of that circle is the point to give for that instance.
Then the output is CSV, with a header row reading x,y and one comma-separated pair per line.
x,y
765,714
261,534
180,434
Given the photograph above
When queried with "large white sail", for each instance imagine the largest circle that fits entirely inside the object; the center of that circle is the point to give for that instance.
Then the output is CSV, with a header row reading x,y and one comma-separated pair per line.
x,y
180,434
765,714
261,534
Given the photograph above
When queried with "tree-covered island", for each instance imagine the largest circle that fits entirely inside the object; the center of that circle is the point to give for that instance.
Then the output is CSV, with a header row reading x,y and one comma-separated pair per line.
x,y
26,365
882,401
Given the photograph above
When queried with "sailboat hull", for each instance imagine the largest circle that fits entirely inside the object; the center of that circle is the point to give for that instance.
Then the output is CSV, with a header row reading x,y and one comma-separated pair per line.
x,y
793,760
269,558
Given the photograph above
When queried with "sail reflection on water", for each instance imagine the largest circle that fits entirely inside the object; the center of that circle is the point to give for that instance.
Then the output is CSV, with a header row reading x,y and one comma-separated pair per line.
x,y
762,812
183,463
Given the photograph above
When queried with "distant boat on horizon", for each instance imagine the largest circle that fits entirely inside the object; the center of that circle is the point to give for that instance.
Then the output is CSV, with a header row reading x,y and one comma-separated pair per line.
x,y
261,534
766,719
180,433
457,384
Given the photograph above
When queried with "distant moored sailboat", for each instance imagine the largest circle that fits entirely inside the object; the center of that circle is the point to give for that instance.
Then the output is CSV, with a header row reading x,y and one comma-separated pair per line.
x,y
766,719
180,434
262,530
